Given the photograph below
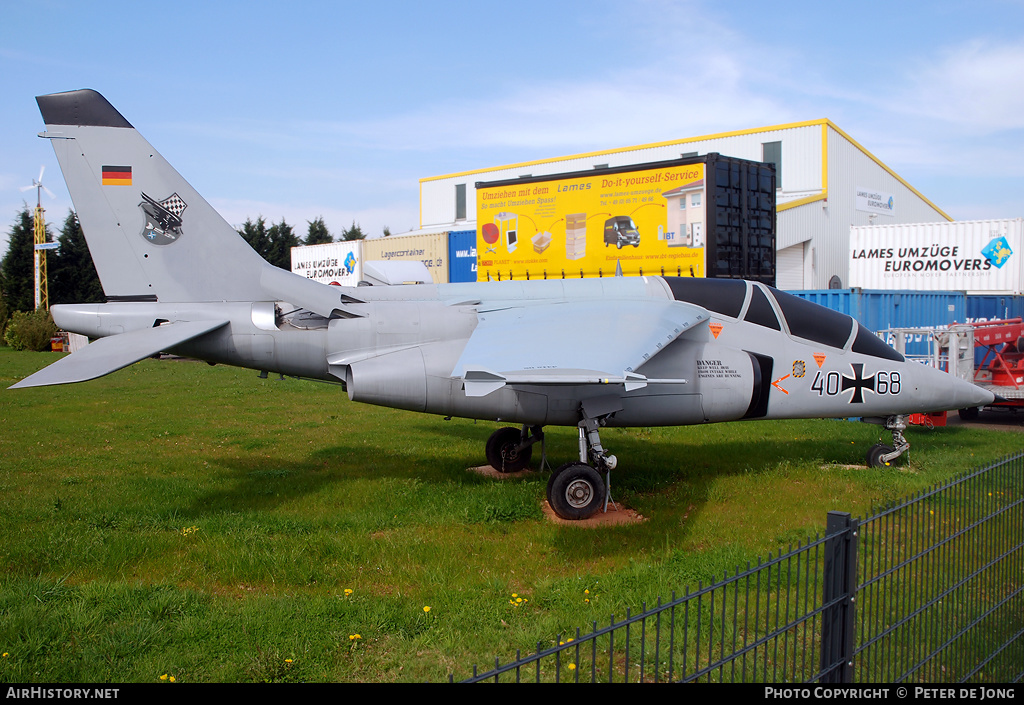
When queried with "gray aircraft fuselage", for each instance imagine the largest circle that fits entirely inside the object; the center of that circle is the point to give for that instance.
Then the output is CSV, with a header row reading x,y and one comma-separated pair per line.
x,y
401,345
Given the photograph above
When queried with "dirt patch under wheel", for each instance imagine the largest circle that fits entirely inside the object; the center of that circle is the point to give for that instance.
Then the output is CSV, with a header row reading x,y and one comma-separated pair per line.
x,y
617,515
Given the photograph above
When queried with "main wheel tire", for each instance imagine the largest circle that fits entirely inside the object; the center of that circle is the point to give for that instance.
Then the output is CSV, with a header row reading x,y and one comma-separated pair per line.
x,y
875,454
575,491
501,450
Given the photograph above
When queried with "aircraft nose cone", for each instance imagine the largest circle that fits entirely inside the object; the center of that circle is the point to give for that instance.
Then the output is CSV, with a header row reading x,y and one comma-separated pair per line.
x,y
974,395
940,391
954,393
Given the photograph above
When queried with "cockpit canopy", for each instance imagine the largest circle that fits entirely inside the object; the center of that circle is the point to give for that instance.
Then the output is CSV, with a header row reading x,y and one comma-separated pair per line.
x,y
802,318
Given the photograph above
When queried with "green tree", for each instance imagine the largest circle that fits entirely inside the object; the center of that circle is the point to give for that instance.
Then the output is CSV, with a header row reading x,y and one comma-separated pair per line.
x,y
317,233
18,266
256,235
387,231
353,233
282,240
4,311
73,277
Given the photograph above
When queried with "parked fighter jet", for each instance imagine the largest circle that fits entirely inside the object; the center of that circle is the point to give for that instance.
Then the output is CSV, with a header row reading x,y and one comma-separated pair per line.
x,y
638,351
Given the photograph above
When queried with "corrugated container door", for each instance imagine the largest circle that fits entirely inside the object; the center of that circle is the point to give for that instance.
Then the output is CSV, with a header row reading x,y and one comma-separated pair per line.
x,y
741,202
994,307
462,256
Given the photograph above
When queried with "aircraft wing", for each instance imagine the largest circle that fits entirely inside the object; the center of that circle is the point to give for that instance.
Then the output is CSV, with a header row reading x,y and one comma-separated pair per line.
x,y
110,354
572,342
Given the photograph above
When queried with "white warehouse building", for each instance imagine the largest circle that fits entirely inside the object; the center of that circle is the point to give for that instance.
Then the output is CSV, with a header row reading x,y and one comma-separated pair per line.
x,y
826,182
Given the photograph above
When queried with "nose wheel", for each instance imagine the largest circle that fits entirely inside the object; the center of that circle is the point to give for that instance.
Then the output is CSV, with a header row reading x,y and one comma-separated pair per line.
x,y
882,455
877,453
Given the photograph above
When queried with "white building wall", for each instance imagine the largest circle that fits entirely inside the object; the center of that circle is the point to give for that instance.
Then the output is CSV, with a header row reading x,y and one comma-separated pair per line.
x,y
821,170
850,168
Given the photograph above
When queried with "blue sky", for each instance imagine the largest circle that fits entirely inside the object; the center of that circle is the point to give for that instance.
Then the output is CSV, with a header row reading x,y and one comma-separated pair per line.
x,y
337,109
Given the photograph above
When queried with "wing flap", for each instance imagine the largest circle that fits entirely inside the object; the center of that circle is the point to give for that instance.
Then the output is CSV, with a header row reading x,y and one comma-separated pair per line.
x,y
112,353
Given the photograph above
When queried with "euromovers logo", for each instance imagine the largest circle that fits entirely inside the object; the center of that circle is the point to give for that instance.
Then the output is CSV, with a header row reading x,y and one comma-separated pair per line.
x,y
938,258
997,252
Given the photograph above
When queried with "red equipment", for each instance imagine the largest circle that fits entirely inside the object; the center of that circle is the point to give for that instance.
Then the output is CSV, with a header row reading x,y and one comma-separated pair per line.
x,y
1003,362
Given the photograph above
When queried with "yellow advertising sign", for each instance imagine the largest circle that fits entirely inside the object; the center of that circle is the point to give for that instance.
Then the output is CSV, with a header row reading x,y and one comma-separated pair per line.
x,y
649,221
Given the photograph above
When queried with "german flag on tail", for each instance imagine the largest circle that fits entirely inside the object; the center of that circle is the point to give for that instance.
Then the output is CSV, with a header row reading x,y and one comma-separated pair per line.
x,y
117,176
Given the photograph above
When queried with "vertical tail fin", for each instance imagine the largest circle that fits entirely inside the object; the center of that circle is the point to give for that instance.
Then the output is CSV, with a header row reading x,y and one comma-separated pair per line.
x,y
151,235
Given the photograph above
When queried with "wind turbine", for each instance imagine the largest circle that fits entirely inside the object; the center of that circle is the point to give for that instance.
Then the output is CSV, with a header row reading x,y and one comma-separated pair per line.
x,y
41,245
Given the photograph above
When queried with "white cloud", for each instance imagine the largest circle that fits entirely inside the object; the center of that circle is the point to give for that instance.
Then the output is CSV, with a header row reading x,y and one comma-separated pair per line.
x,y
661,102
977,85
676,84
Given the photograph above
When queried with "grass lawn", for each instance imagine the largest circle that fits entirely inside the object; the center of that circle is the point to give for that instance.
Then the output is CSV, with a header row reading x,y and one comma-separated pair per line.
x,y
199,522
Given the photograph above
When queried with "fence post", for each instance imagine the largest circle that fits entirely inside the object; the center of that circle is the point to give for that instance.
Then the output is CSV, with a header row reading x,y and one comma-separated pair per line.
x,y
838,588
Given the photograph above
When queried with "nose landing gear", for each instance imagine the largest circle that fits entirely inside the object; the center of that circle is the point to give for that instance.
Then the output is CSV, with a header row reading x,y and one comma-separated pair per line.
x,y
880,454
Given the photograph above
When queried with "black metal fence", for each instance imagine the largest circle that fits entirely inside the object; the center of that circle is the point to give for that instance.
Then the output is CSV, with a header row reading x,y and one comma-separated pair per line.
x,y
928,590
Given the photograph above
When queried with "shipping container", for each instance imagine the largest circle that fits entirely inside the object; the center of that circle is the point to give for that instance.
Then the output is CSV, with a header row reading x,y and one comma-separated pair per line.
x,y
462,256
430,249
338,263
974,256
879,309
706,216
993,307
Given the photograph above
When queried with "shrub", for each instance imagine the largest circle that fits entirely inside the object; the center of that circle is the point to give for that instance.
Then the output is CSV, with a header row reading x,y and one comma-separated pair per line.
x,y
30,331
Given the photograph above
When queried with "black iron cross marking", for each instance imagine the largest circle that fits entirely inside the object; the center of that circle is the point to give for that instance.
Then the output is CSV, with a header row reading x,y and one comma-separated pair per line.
x,y
857,383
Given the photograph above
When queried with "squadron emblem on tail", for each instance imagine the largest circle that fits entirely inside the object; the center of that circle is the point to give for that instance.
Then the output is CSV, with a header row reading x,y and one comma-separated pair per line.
x,y
163,219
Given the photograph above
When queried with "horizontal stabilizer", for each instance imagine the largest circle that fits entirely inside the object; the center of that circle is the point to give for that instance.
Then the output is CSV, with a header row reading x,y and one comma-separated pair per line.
x,y
328,301
110,354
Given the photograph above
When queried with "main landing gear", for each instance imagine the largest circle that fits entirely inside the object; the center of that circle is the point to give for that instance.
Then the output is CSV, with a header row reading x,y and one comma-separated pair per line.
x,y
880,454
575,490
510,449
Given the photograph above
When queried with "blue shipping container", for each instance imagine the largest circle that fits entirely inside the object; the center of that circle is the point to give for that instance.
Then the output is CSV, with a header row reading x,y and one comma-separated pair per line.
x,y
878,309
988,307
462,256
